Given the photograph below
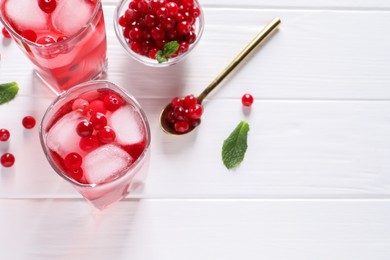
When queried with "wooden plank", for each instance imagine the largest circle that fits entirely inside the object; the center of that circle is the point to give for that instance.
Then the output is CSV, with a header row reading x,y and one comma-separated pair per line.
x,y
285,4
196,229
296,149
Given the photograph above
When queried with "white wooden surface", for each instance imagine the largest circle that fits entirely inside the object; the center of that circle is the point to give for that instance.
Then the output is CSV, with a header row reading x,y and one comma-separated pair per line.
x,y
315,183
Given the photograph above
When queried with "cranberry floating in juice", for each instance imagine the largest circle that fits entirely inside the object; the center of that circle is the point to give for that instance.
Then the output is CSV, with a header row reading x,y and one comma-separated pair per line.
x,y
65,39
97,137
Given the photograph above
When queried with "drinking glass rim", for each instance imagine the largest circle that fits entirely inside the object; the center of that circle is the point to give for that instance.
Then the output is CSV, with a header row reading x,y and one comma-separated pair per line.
x,y
73,36
122,174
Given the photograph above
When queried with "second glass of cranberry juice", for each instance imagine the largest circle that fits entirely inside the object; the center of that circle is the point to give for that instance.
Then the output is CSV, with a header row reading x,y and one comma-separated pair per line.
x,y
65,39
97,137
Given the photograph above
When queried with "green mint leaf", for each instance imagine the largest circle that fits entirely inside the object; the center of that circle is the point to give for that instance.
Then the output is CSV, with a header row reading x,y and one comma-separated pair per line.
x,y
160,57
170,48
8,91
234,147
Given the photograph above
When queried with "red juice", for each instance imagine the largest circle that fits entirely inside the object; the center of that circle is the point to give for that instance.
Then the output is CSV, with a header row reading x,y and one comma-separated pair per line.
x,y
97,137
65,39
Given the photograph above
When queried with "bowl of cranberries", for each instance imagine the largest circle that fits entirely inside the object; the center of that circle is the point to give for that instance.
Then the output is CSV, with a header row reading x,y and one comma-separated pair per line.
x,y
158,33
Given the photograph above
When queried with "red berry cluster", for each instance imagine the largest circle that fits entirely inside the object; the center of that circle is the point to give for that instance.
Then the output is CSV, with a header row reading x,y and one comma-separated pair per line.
x,y
149,24
184,113
93,131
8,159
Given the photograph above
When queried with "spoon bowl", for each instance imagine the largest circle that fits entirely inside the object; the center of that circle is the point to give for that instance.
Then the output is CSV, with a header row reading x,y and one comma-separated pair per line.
x,y
271,27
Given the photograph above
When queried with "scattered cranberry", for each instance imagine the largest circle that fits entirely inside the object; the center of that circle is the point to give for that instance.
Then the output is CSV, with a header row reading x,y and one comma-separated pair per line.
x,y
89,143
4,135
247,100
5,33
73,161
107,135
84,128
112,102
28,122
47,6
7,159
184,113
149,25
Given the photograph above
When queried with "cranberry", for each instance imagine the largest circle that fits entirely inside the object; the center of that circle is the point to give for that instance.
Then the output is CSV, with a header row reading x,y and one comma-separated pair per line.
x,y
7,160
84,128
131,15
135,46
47,6
191,37
29,35
172,9
97,106
150,20
183,47
98,121
106,135
195,111
157,33
168,23
61,38
76,174
135,150
162,13
183,27
46,40
177,102
4,135
171,34
247,100
112,102
28,122
89,143
182,126
195,12
152,53
81,105
189,101
5,33
73,161
135,33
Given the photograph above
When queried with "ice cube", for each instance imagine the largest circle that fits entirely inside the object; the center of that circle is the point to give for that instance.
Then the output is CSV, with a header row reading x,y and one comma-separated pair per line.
x,y
104,163
71,15
62,137
26,14
127,125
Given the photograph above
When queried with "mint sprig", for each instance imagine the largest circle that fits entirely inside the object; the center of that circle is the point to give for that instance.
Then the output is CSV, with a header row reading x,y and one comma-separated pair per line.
x,y
168,50
8,92
234,147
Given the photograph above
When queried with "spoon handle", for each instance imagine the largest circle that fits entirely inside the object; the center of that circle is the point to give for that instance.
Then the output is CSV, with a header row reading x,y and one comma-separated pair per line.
x,y
256,42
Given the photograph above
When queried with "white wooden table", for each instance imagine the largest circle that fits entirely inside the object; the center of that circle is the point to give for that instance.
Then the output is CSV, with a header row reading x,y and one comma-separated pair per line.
x,y
315,182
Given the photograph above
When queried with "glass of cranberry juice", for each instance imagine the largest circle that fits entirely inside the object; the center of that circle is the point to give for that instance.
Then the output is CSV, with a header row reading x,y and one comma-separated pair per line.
x,y
64,39
97,138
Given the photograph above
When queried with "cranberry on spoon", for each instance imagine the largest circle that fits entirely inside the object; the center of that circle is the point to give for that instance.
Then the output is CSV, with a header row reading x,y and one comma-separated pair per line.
x,y
177,119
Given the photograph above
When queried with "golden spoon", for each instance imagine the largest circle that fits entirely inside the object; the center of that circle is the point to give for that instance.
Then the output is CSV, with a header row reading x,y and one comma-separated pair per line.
x,y
256,42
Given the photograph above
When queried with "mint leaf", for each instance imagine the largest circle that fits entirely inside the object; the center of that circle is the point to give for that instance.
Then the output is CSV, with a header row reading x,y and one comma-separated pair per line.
x,y
234,147
168,50
160,57
8,91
